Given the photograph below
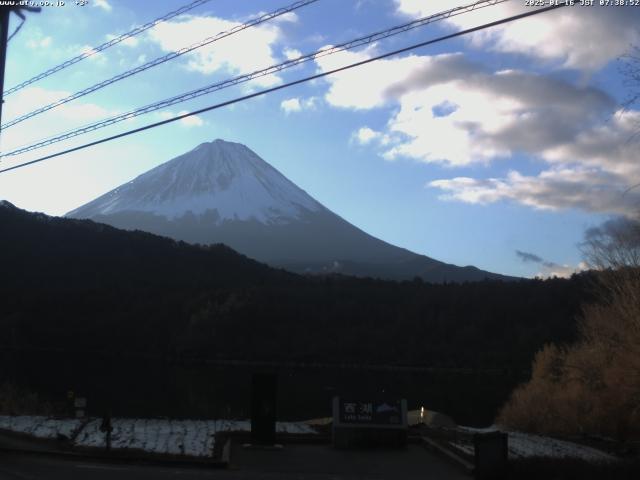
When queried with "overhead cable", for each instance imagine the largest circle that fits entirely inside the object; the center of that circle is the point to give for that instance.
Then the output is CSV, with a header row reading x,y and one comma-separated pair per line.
x,y
290,84
104,46
160,60
330,50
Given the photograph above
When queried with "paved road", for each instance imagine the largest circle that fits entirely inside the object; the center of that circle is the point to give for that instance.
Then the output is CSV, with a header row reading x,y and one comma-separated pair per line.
x,y
36,467
325,462
293,462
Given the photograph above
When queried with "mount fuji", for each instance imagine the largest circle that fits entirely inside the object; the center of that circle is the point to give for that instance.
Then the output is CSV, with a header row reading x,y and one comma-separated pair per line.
x,y
222,192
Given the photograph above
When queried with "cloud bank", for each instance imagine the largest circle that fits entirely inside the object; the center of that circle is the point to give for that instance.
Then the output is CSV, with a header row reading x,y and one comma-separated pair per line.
x,y
450,111
584,38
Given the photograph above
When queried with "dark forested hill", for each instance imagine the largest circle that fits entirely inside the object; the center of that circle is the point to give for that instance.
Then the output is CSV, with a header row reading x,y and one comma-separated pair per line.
x,y
76,286
77,281
58,254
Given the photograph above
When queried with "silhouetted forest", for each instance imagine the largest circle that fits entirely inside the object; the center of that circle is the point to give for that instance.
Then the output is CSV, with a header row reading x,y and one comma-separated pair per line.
x,y
77,286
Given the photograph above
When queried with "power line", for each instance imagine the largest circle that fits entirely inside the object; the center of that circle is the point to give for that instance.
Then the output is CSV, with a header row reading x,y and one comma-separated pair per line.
x,y
110,43
165,58
16,30
257,74
289,84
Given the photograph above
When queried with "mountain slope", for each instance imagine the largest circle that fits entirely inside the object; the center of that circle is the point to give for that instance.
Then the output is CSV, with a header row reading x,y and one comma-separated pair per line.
x,y
42,252
222,192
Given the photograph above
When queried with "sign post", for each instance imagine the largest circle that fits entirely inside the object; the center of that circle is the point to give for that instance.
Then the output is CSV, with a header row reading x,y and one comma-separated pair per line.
x,y
263,408
491,455
80,404
362,423
107,428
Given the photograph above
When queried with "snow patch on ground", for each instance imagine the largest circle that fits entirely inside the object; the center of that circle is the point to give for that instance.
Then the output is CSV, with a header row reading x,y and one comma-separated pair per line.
x,y
173,437
162,436
40,426
295,427
525,445
522,445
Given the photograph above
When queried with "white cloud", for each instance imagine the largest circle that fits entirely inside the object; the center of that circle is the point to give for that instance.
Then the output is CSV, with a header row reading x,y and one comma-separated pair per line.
x,y
103,4
476,118
95,56
591,172
611,145
127,42
561,271
291,53
366,136
365,87
39,43
30,98
575,37
593,190
192,121
64,117
456,112
289,17
291,105
242,52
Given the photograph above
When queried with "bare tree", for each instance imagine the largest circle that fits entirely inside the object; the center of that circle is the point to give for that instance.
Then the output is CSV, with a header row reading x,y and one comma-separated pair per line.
x,y
592,386
613,245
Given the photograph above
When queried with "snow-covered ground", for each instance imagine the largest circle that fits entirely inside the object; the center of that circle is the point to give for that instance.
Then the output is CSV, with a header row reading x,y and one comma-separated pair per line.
x,y
175,437
527,445
39,426
162,436
524,445
197,437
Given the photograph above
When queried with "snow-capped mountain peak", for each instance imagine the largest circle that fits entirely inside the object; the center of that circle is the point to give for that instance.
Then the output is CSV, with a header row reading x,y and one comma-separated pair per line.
x,y
223,177
222,192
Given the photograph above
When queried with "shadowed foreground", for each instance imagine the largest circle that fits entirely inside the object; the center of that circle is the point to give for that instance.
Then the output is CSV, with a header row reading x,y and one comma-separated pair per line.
x,y
294,461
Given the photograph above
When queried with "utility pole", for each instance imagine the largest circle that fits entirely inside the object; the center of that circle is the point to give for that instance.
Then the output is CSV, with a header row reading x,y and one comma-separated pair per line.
x,y
5,12
4,32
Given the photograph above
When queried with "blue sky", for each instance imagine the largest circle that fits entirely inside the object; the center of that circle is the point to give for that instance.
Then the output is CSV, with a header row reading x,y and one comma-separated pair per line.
x,y
466,151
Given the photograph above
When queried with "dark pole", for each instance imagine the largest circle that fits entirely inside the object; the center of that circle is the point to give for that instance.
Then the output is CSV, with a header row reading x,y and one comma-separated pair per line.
x,y
4,27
